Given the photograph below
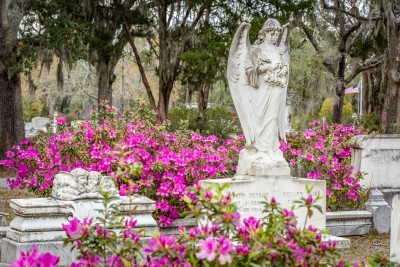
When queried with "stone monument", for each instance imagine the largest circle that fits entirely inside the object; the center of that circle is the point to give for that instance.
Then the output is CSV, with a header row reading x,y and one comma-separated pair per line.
x,y
40,123
76,194
258,79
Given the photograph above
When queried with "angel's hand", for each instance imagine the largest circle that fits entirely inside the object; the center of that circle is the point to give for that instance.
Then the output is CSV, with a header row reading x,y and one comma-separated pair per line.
x,y
282,72
279,66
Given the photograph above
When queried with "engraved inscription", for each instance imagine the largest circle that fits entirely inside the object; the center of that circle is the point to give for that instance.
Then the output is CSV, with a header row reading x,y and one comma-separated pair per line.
x,y
252,202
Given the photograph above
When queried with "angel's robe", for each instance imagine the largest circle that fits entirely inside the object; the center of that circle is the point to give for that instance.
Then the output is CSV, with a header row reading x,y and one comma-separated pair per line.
x,y
266,94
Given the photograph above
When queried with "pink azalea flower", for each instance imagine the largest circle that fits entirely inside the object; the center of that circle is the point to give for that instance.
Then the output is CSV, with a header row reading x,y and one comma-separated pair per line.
x,y
225,248
208,248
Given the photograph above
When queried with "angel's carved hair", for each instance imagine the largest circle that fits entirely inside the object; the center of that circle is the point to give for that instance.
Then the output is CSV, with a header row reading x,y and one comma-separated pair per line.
x,y
271,25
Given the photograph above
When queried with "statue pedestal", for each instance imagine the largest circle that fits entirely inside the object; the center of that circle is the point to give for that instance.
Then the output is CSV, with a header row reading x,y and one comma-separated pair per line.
x,y
251,191
256,163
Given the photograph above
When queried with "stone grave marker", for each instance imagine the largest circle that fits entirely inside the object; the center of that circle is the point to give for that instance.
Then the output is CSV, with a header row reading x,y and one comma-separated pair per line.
x,y
379,157
39,123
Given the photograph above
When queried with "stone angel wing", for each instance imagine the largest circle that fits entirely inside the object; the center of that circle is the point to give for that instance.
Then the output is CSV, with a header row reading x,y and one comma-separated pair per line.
x,y
239,55
283,44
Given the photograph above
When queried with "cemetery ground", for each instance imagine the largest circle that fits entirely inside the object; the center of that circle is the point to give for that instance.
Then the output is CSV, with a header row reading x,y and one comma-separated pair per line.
x,y
361,247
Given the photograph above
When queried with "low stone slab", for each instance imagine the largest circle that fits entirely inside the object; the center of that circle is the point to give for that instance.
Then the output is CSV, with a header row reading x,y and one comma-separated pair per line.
x,y
348,223
252,191
341,243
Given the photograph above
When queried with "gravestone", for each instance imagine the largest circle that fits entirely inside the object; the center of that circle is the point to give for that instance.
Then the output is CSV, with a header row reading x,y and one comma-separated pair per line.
x,y
379,157
395,230
39,123
39,221
29,130
381,211
258,76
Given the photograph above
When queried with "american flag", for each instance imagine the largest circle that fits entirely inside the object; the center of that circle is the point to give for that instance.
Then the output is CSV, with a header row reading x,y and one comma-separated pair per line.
x,y
351,90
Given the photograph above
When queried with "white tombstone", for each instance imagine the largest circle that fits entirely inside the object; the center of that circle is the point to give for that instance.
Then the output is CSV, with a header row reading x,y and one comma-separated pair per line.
x,y
39,123
395,230
379,157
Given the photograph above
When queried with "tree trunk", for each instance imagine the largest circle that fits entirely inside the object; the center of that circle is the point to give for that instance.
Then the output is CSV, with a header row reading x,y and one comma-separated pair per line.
x,y
338,108
11,120
105,80
202,98
373,90
392,118
165,90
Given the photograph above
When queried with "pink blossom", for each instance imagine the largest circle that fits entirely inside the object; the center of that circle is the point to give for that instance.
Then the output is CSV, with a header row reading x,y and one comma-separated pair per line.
x,y
207,249
225,248
310,157
309,200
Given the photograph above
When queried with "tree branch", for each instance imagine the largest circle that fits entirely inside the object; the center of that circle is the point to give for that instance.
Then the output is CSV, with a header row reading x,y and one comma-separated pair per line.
x,y
152,47
199,15
140,66
317,48
171,14
90,95
366,65
355,38
352,29
356,16
186,17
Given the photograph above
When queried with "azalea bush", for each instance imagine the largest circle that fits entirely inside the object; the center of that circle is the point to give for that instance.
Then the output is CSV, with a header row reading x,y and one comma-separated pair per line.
x,y
223,240
323,152
141,153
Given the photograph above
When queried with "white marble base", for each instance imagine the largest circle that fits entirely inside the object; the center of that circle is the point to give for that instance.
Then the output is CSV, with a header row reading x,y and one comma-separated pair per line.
x,y
11,250
39,221
251,191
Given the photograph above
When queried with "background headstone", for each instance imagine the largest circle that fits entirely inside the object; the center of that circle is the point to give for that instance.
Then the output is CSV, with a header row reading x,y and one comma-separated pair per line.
x,y
380,210
39,123
379,157
395,230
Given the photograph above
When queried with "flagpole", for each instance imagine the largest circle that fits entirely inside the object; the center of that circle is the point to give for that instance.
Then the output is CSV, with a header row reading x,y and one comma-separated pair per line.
x,y
360,97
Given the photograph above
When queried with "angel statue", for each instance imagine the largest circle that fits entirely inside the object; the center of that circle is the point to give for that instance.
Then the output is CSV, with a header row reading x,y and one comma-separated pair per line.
x,y
258,80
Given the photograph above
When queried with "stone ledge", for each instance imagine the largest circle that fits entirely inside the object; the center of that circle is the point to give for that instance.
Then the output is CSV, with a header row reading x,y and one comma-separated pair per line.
x,y
341,243
348,223
356,214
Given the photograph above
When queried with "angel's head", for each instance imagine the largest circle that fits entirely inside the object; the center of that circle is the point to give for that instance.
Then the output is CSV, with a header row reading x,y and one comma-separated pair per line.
x,y
269,32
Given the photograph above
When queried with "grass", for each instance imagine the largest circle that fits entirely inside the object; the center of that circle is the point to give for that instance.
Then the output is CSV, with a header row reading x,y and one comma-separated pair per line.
x,y
4,172
362,247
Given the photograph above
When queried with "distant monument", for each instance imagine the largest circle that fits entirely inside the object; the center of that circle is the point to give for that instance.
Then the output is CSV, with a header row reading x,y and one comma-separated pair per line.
x,y
258,80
